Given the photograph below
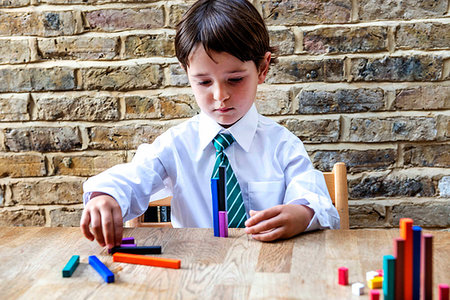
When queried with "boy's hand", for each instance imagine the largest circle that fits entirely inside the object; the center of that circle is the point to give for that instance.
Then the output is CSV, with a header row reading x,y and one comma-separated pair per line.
x,y
105,216
278,222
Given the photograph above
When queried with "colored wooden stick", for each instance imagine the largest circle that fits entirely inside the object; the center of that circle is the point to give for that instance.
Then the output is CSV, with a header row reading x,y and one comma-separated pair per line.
x,y
427,266
138,250
122,245
389,277
443,292
71,265
146,260
128,240
222,189
399,253
407,234
343,276
223,224
103,270
374,295
215,205
417,242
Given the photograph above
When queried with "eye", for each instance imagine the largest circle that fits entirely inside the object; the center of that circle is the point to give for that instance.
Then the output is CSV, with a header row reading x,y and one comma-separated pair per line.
x,y
235,80
204,82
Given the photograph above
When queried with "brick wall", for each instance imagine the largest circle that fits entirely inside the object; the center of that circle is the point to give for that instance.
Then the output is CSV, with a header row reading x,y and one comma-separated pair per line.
x,y
367,82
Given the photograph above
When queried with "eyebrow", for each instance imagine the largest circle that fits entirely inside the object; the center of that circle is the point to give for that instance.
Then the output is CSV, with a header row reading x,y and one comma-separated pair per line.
x,y
228,73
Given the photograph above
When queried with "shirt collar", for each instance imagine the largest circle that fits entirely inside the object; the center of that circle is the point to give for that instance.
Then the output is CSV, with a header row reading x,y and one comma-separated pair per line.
x,y
243,130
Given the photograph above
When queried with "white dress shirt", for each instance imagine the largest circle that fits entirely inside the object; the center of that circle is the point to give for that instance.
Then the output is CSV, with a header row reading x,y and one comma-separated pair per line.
x,y
270,163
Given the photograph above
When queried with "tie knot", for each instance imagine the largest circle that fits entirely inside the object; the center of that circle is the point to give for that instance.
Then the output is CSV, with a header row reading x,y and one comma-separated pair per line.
x,y
222,141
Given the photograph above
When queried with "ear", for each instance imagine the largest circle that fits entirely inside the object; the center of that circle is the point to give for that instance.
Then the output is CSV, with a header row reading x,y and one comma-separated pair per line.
x,y
264,67
181,65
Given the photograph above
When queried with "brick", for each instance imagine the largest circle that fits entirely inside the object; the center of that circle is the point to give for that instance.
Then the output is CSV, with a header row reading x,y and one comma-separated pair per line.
x,y
14,107
22,217
444,186
427,36
176,12
42,139
426,214
79,47
313,131
2,195
340,101
14,51
88,107
178,106
177,76
284,40
390,186
123,137
410,68
427,155
393,129
273,101
49,23
65,217
142,107
291,70
345,40
13,3
407,9
122,78
355,160
85,164
36,79
148,45
370,214
93,1
425,97
22,165
284,12
122,19
46,191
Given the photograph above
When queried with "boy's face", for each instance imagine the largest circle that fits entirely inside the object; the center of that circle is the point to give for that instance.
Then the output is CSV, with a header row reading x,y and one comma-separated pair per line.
x,y
224,87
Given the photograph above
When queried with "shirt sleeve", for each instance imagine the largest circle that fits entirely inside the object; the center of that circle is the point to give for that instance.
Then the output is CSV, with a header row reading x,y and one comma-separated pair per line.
x,y
130,184
306,186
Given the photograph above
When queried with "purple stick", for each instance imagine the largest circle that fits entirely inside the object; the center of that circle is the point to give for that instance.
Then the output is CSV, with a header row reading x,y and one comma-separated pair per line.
x,y
128,240
223,224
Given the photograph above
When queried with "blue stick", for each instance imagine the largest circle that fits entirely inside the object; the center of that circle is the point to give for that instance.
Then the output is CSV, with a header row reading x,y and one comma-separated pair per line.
x,y
106,274
215,205
417,239
71,265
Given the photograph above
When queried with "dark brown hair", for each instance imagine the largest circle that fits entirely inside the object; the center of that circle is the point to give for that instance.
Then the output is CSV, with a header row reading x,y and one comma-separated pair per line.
x,y
232,26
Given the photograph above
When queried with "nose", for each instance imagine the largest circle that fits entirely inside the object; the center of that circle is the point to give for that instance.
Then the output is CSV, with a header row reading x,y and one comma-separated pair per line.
x,y
220,93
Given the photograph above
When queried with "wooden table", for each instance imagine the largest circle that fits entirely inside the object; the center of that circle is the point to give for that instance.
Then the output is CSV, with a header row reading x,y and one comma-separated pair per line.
x,y
31,261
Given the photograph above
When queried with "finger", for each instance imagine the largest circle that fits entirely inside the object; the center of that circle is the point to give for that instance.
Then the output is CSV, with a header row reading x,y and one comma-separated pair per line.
x,y
108,227
96,226
118,226
264,225
263,215
253,212
269,236
84,225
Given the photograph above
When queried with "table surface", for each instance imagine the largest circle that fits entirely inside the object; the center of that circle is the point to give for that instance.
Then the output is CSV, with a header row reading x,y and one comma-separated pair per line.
x,y
237,267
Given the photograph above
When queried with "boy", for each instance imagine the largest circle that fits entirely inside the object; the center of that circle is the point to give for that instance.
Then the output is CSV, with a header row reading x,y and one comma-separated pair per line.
x,y
273,188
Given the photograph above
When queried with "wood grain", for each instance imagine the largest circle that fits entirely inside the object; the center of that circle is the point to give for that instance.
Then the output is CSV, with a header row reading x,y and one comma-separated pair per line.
x,y
305,267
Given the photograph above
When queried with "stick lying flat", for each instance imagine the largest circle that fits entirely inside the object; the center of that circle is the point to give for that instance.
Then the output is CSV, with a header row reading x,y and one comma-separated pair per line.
x,y
103,270
137,249
71,265
147,260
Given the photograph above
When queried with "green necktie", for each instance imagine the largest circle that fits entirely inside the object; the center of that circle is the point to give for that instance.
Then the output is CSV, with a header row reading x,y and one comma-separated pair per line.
x,y
235,204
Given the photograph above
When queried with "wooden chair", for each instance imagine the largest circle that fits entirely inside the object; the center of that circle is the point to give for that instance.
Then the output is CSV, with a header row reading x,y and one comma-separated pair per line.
x,y
337,187
336,181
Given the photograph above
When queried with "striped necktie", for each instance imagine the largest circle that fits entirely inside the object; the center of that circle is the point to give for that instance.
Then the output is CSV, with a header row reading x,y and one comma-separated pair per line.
x,y
235,204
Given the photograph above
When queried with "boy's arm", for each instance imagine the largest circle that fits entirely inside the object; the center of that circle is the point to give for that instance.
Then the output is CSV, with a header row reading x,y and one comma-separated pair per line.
x,y
104,215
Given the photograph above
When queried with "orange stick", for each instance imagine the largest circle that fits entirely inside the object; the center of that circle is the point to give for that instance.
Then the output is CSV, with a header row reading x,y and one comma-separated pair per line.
x,y
407,234
146,260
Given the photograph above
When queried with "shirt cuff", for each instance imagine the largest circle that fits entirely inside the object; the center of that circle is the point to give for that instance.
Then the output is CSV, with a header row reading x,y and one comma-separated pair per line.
x,y
314,223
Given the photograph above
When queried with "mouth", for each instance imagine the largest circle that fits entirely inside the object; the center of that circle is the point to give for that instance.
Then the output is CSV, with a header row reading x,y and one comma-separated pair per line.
x,y
224,109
